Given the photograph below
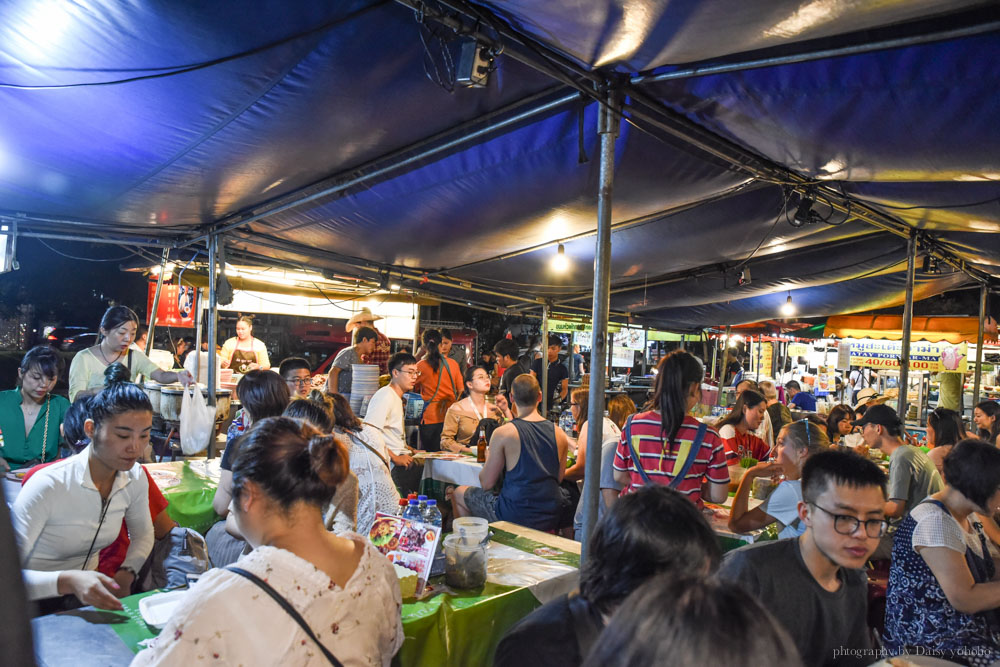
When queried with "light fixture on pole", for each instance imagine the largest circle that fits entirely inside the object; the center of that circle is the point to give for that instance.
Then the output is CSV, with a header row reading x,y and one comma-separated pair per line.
x,y
788,308
560,263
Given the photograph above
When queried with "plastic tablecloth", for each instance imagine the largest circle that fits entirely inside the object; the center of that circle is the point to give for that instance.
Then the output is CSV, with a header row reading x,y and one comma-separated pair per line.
x,y
450,627
189,487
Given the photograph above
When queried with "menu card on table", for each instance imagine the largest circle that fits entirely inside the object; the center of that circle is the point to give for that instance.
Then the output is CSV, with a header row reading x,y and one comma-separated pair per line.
x,y
407,543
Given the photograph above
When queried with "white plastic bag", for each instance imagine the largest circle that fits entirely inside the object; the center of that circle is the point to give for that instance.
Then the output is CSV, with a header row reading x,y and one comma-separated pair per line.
x,y
197,421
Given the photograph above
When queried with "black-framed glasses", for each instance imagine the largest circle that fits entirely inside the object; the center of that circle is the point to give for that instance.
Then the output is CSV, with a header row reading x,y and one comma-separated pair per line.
x,y
846,524
302,382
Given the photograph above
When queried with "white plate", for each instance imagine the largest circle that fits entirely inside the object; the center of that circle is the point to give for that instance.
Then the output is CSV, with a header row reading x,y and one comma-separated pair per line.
x,y
157,609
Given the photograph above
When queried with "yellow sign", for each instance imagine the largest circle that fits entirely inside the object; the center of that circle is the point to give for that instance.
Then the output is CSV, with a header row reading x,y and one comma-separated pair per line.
x,y
766,356
798,350
932,357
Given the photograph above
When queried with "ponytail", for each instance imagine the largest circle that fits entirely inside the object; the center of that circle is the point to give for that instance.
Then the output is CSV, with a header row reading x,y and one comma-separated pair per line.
x,y
674,376
432,339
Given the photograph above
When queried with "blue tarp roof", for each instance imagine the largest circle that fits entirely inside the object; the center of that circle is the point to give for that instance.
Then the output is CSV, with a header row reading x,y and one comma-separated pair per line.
x,y
238,106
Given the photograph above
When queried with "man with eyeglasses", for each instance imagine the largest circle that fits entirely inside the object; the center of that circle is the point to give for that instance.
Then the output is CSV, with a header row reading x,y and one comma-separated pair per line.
x,y
815,584
912,474
385,412
295,372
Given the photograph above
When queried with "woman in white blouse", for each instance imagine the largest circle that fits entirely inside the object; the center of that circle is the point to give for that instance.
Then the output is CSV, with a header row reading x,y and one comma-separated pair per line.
x,y
461,422
71,510
344,591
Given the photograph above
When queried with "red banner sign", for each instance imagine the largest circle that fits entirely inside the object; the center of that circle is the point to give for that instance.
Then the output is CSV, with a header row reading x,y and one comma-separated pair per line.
x,y
177,305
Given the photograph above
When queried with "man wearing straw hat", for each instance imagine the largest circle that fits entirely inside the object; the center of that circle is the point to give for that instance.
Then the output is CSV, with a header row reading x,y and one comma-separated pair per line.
x,y
380,357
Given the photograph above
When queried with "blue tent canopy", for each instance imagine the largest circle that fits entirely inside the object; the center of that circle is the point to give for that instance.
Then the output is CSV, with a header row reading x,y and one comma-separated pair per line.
x,y
334,135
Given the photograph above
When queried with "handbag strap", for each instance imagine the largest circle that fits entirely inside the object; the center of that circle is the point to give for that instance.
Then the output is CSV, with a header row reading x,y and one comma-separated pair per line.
x,y
431,399
289,609
374,451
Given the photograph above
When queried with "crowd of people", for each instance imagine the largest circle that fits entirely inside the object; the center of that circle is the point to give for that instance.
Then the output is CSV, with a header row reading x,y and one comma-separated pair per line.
x,y
302,478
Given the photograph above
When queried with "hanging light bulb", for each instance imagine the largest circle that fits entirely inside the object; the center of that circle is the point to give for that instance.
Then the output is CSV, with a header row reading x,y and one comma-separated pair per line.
x,y
788,308
560,263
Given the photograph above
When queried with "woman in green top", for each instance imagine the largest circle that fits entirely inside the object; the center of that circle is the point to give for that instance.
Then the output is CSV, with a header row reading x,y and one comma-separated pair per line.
x,y
118,327
29,414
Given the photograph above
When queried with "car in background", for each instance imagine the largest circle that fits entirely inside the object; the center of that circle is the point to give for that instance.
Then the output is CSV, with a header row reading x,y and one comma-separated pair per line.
x,y
72,339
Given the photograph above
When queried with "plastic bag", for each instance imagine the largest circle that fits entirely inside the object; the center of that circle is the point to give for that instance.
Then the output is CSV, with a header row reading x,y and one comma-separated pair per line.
x,y
197,421
181,553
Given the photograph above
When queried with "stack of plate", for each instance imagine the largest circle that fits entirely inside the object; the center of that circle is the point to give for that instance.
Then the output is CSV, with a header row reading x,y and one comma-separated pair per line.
x,y
364,383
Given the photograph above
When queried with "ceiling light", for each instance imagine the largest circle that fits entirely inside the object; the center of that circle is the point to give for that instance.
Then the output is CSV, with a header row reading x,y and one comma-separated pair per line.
x,y
560,263
788,308
801,217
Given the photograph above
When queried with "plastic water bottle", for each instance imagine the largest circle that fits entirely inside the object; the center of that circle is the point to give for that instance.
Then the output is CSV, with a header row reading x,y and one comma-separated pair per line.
x,y
403,504
412,511
432,515
423,504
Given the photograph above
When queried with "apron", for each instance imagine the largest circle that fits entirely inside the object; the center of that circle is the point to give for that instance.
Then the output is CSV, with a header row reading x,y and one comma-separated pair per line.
x,y
240,363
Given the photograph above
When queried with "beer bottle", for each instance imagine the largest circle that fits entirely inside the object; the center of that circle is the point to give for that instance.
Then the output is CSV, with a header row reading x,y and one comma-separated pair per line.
x,y
481,447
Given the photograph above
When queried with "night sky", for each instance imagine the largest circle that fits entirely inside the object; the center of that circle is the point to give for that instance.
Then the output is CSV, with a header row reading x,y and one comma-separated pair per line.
x,y
71,292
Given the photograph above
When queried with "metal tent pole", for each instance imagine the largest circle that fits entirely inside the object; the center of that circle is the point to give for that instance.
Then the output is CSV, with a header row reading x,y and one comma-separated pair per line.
x,y
199,320
904,357
608,131
715,361
213,326
760,350
544,380
980,341
416,330
156,302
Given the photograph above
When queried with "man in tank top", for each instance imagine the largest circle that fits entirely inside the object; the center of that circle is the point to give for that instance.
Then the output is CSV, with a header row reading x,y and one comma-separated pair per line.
x,y
529,453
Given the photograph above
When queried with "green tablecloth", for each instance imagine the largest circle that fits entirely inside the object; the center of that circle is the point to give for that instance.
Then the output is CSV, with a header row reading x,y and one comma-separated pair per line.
x,y
451,628
189,487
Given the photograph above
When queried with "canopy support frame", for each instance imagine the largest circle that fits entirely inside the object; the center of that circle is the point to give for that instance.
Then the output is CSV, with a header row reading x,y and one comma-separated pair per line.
x,y
608,128
213,327
904,359
980,340
156,302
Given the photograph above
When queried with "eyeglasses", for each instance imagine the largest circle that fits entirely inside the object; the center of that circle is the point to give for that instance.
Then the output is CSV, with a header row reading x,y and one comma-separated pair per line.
x,y
412,372
847,525
299,381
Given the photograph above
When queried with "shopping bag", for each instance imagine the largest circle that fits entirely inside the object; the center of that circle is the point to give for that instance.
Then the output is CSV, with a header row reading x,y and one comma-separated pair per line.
x,y
197,421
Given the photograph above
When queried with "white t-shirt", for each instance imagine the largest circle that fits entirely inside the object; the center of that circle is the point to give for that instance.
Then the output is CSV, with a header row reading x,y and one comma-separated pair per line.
x,y
385,412
783,505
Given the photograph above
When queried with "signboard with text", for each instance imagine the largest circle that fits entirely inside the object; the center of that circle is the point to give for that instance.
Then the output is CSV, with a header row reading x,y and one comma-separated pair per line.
x,y
924,356
176,307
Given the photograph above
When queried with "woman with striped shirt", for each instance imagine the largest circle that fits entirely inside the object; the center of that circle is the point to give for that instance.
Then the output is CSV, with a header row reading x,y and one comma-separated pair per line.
x,y
663,438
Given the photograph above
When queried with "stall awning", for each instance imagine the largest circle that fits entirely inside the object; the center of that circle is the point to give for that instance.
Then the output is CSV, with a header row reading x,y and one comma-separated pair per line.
x,y
890,327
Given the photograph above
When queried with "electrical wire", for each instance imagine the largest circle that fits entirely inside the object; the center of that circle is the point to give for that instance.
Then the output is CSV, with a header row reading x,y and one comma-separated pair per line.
x,y
929,206
164,72
782,210
87,259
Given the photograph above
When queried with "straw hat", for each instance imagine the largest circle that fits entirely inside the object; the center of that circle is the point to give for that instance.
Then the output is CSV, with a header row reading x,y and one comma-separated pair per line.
x,y
864,396
364,315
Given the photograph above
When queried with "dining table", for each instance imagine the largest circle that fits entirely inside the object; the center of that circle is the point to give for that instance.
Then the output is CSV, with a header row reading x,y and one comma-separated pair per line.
x,y
445,626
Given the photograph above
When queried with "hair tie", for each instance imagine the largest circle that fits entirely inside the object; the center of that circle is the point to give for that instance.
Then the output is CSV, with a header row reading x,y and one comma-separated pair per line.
x,y
808,438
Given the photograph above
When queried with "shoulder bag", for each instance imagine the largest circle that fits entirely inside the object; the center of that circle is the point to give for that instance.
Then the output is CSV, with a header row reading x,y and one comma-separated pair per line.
x,y
692,455
289,609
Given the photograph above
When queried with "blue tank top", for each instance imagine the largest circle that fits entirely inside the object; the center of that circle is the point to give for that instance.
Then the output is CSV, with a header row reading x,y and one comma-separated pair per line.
x,y
531,495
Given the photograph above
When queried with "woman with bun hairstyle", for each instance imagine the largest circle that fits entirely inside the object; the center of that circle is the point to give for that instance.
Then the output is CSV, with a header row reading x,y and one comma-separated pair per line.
x,y
118,329
243,352
440,384
796,443
344,591
69,511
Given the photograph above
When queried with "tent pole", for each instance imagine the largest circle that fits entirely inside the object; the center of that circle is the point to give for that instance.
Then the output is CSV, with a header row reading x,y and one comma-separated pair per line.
x,y
760,349
156,301
416,330
904,358
980,340
715,361
213,326
544,380
608,130
199,320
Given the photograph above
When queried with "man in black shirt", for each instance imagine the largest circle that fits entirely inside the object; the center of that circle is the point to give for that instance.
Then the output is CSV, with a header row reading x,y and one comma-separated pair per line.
x,y
652,531
558,384
507,352
815,585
